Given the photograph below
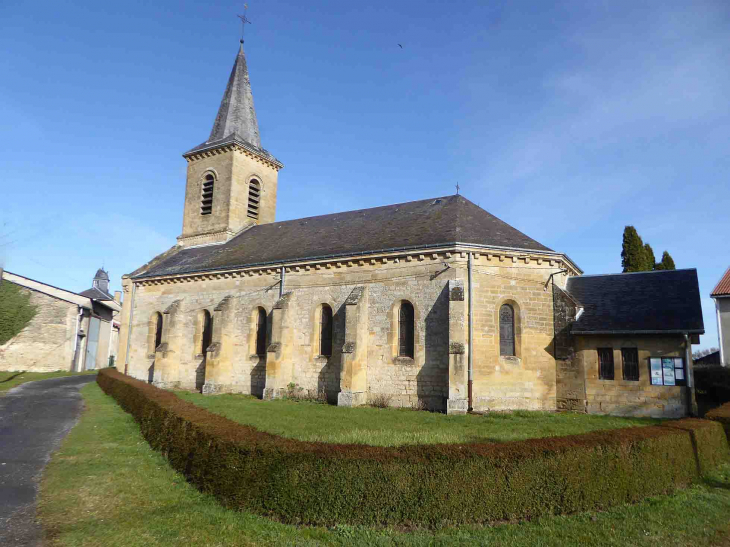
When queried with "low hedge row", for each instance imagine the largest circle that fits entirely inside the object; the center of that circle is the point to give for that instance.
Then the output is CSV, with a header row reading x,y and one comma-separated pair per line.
x,y
721,415
432,485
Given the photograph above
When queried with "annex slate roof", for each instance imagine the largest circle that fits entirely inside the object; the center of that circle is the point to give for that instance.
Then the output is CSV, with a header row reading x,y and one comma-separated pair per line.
x,y
236,120
417,224
641,302
723,286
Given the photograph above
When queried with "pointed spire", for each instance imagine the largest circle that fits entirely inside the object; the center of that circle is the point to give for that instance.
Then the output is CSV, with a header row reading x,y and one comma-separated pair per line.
x,y
236,115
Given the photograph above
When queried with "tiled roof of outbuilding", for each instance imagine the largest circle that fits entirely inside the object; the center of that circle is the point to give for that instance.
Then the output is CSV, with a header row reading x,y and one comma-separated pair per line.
x,y
642,302
97,294
413,225
723,286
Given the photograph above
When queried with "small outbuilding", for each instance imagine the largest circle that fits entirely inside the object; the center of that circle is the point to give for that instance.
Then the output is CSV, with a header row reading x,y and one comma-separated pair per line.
x,y
68,331
630,342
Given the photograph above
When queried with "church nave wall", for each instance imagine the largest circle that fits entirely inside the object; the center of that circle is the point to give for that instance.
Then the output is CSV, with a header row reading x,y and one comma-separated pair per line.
x,y
526,380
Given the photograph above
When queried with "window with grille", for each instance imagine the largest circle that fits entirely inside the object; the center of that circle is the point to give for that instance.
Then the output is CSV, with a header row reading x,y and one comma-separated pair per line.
x,y
405,330
507,331
261,332
325,331
630,358
254,198
605,363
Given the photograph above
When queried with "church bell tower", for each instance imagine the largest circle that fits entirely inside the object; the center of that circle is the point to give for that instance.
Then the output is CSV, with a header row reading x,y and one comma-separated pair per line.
x,y
231,180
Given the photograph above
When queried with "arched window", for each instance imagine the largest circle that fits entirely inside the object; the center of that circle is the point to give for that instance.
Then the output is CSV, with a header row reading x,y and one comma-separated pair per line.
x,y
325,331
154,332
405,330
261,332
254,197
206,199
506,331
207,337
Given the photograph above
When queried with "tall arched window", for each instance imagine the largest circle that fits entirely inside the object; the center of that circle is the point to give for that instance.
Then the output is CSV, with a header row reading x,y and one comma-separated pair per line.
x,y
207,337
325,331
154,332
254,197
206,198
506,331
261,332
405,330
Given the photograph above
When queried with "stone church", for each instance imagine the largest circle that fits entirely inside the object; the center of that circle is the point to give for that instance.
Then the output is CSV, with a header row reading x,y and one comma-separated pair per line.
x,y
433,303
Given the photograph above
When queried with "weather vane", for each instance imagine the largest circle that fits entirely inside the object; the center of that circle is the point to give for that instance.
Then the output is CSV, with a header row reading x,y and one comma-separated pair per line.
x,y
244,20
457,188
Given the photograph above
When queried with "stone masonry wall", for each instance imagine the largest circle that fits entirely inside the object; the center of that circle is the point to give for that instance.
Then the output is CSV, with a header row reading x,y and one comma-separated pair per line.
x,y
47,342
570,377
527,381
630,398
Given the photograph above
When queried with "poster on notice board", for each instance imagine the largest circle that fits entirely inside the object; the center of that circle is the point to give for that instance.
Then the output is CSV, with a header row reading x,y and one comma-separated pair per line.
x,y
656,371
668,370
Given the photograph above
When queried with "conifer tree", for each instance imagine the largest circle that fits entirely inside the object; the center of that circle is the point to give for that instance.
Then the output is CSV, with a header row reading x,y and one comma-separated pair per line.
x,y
667,262
633,254
650,259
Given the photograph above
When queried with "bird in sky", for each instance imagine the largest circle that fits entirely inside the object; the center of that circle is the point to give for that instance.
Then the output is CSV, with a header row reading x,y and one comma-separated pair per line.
x,y
400,46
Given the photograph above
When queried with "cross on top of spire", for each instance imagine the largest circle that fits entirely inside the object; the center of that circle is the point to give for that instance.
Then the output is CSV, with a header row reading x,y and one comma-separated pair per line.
x,y
244,20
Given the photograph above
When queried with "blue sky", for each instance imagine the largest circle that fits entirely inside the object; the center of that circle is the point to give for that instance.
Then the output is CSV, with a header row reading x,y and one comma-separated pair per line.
x,y
569,120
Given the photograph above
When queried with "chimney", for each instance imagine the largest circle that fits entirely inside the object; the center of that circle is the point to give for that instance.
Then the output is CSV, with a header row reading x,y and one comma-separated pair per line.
x,y
118,297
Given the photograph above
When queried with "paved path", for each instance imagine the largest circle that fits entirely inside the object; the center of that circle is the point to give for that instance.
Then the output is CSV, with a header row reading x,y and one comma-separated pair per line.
x,y
34,418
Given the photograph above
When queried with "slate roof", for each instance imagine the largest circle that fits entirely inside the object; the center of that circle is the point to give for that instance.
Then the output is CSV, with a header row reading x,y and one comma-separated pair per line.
x,y
404,226
97,294
642,302
709,359
723,286
236,119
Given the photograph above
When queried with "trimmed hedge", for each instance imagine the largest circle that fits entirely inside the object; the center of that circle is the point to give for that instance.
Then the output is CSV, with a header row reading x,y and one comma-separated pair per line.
x,y
721,414
431,485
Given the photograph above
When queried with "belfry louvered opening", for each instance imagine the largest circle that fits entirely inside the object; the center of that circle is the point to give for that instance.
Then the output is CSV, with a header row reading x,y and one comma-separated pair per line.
x,y
206,199
254,198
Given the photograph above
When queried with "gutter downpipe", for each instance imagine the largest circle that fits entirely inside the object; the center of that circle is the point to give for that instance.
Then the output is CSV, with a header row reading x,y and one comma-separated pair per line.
x,y
76,338
129,328
691,401
719,332
471,336
281,282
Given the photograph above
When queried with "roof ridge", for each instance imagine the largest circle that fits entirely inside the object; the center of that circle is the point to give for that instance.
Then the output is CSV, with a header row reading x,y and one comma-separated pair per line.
x,y
717,291
352,211
36,281
633,273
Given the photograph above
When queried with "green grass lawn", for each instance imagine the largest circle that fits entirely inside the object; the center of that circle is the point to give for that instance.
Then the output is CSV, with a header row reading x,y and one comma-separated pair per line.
x,y
105,486
310,421
9,380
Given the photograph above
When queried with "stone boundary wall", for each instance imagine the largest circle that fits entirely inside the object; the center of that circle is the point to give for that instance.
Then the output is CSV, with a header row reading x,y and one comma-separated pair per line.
x,y
325,484
46,343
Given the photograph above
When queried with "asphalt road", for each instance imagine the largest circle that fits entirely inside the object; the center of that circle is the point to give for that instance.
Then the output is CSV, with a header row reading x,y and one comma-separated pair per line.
x,y
34,418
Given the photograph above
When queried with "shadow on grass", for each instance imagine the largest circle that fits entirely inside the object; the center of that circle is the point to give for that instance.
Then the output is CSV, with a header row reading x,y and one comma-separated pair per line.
x,y
712,483
11,377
